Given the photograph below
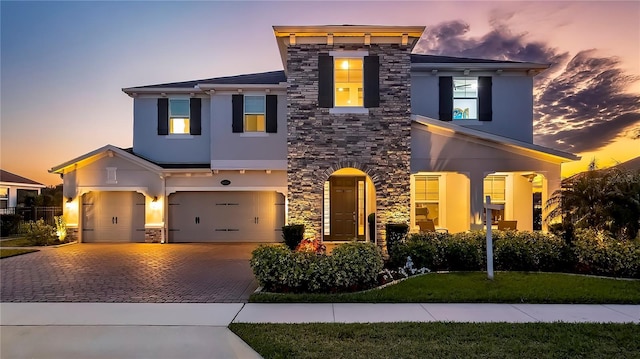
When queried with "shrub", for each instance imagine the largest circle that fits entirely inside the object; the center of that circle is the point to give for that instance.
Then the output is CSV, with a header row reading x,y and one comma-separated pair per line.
x,y
396,234
528,251
61,228
352,266
596,252
293,235
9,224
39,233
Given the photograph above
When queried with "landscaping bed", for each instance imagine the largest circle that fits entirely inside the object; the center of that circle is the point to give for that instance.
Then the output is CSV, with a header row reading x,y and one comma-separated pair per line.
x,y
474,287
5,253
441,340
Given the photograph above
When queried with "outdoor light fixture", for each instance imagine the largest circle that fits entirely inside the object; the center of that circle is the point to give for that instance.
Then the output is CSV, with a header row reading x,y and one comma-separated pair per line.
x,y
69,203
154,203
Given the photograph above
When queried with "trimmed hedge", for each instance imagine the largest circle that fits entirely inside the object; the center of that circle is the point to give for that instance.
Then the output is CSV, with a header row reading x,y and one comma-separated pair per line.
x,y
590,253
350,267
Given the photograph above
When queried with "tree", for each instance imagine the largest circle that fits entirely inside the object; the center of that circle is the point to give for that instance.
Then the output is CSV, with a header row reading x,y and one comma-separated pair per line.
x,y
599,199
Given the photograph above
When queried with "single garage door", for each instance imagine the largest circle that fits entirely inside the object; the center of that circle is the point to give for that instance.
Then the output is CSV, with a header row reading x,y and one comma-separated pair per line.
x,y
113,217
226,216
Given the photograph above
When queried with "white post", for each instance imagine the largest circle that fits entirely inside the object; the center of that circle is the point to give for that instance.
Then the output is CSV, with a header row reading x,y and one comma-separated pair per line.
x,y
489,240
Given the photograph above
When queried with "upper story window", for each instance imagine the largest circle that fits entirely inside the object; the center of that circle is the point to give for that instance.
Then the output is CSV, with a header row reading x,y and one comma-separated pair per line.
x,y
4,197
465,98
254,113
348,82
179,116
427,199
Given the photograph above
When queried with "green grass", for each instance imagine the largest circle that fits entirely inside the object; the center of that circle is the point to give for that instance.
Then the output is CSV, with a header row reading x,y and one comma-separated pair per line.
x,y
16,242
442,340
473,287
4,253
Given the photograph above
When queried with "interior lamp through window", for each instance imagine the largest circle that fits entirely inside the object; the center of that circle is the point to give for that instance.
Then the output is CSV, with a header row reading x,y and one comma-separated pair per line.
x,y
179,125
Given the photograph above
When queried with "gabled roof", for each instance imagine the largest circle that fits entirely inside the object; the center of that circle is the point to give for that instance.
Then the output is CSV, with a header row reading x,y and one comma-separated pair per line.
x,y
8,177
558,156
99,153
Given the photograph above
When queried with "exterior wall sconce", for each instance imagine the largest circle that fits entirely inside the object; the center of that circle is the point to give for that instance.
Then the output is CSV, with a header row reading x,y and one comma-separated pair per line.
x,y
154,203
69,203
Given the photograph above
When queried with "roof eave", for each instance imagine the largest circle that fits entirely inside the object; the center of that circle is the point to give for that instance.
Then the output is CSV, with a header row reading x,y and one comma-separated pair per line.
x,y
443,66
559,156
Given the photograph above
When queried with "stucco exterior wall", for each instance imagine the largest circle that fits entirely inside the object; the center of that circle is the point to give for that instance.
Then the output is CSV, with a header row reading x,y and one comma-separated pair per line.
x,y
377,143
170,148
246,150
512,103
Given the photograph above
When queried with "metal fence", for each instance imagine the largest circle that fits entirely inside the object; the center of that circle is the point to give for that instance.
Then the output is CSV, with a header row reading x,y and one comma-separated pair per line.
x,y
35,213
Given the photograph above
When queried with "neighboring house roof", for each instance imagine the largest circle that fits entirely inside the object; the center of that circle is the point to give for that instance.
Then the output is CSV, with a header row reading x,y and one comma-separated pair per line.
x,y
273,78
559,156
631,165
8,177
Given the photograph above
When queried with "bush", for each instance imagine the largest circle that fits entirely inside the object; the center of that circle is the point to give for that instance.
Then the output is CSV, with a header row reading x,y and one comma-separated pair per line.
x,y
39,233
596,252
396,234
352,266
293,235
9,224
528,251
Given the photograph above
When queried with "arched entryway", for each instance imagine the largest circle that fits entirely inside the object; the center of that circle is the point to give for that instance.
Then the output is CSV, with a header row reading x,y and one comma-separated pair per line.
x,y
349,197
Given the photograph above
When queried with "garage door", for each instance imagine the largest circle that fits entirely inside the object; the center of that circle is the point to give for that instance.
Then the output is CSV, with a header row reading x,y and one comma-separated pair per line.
x,y
226,216
113,217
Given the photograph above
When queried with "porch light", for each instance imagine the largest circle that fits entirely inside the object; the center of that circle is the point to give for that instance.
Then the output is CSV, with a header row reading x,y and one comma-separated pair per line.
x,y
154,203
69,203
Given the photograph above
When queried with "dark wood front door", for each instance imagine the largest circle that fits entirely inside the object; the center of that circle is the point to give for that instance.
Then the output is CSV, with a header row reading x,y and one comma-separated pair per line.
x,y
344,208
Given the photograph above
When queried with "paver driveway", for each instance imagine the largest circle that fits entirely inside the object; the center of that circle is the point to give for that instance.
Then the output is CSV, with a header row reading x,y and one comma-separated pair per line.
x,y
133,273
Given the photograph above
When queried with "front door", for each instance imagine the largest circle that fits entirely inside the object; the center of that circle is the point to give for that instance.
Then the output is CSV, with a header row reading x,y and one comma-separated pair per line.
x,y
343,207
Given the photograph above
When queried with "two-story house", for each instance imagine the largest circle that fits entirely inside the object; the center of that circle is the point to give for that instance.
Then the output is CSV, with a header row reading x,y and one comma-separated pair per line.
x,y
355,124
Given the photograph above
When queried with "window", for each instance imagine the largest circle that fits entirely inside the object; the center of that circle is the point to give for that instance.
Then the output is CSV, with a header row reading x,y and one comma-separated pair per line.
x,y
254,114
427,198
26,197
465,98
348,80
4,197
495,186
179,116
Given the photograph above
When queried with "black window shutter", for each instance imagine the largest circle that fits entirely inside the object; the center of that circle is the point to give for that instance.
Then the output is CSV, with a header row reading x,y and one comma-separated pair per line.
x,y
446,98
371,81
238,113
163,116
325,81
485,99
272,114
195,122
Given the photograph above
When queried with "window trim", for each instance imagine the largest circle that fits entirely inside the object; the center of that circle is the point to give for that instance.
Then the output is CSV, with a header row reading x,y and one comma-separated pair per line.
x,y
244,114
476,98
5,199
348,109
415,200
169,125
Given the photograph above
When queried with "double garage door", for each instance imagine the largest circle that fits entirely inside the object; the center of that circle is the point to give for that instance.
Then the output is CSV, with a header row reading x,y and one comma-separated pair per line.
x,y
226,216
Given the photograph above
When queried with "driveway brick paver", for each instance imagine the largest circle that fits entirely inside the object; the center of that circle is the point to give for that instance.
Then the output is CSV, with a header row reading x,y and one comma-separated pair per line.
x,y
130,273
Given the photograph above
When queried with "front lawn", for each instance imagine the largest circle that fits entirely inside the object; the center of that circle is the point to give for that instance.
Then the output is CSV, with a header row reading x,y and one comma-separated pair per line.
x,y
4,253
16,242
473,287
442,340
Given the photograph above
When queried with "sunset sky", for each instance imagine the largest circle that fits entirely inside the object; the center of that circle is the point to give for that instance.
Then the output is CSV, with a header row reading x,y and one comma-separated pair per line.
x,y
63,64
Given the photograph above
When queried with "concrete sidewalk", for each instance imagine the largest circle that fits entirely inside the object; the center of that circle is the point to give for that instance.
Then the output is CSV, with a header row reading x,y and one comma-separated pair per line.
x,y
180,330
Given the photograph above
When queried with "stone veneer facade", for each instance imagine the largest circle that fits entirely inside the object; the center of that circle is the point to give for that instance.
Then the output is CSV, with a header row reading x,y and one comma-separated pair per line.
x,y
377,143
152,235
